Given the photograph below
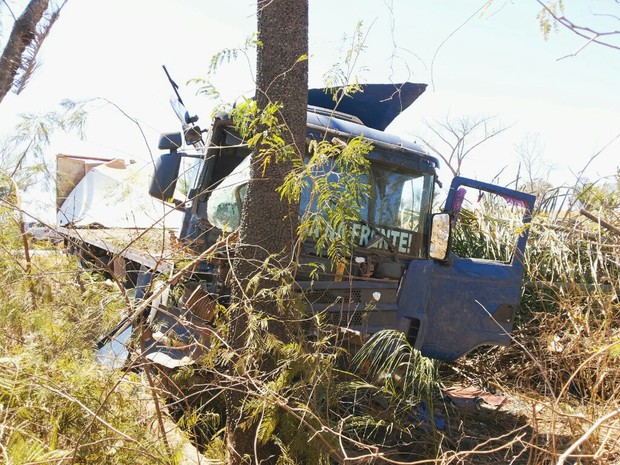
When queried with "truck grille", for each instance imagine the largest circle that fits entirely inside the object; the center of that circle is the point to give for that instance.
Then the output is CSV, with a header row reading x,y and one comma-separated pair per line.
x,y
334,297
346,319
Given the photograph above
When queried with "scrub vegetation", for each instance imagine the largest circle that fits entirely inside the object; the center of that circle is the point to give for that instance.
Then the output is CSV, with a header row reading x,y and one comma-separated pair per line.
x,y
57,404
561,375
558,383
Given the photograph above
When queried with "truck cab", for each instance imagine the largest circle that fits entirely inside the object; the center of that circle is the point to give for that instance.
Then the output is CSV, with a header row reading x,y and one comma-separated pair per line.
x,y
401,273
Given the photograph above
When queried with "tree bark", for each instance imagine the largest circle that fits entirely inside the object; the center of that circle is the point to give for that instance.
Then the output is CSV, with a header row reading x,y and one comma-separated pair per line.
x,y
268,224
22,35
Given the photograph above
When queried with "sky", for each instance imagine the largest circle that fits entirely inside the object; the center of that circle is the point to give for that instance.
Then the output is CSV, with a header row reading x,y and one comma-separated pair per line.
x,y
479,59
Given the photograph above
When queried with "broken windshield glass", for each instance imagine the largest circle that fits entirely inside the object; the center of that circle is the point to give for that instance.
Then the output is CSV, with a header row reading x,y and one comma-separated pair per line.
x,y
224,207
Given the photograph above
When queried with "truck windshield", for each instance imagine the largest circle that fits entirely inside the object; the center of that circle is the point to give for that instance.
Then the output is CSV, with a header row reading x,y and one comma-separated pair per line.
x,y
395,211
398,197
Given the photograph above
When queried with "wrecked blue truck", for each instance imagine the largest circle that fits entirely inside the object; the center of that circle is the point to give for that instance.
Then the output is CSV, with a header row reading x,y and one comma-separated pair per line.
x,y
403,273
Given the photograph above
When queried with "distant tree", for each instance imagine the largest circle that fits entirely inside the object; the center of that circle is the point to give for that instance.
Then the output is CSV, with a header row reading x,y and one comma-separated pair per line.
x,y
453,140
18,61
268,228
533,174
599,197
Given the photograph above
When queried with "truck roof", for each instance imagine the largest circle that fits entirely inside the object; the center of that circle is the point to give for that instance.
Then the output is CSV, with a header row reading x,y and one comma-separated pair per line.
x,y
345,128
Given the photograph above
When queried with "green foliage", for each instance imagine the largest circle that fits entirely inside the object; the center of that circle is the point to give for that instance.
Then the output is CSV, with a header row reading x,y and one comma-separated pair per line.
x,y
488,229
546,19
289,403
311,408
306,406
389,361
332,181
228,55
22,155
600,197
262,129
331,177
224,57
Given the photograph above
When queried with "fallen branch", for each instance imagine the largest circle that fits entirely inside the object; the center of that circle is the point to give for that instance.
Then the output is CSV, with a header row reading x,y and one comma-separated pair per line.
x,y
610,227
586,435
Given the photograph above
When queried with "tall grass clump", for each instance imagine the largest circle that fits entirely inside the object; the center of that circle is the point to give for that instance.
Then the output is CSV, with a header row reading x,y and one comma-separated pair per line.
x,y
57,404
571,305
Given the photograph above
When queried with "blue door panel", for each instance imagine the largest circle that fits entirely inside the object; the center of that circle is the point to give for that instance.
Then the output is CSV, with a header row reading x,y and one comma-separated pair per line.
x,y
460,306
462,303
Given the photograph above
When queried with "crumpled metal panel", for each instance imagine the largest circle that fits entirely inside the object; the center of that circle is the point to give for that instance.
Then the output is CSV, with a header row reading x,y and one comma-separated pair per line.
x,y
376,105
460,306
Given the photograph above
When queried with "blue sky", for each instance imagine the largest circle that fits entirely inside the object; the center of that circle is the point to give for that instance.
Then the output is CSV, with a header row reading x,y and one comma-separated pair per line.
x,y
497,63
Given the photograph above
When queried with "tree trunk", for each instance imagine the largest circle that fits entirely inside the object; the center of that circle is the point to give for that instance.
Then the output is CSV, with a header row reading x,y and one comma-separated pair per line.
x,y
268,224
24,32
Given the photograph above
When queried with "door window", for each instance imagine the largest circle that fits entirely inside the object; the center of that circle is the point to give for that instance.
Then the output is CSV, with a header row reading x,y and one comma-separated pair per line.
x,y
487,225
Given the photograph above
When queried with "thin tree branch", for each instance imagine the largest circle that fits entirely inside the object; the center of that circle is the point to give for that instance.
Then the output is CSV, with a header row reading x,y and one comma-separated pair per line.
x,y
586,435
585,32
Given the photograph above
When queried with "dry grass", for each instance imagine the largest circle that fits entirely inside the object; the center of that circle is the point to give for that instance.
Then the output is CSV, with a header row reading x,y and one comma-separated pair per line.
x,y
562,373
57,404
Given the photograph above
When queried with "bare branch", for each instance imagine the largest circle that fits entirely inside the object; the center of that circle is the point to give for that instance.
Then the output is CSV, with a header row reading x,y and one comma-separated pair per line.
x,y
8,7
586,435
486,5
585,32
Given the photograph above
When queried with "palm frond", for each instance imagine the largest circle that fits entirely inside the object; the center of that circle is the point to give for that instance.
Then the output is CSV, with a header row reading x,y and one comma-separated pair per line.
x,y
388,359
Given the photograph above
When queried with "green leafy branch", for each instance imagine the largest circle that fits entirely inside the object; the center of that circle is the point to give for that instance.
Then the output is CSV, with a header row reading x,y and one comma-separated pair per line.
x,y
332,180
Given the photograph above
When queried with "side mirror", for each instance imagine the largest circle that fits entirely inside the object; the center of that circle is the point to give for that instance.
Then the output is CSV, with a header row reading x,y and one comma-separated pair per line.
x,y
165,176
440,236
170,141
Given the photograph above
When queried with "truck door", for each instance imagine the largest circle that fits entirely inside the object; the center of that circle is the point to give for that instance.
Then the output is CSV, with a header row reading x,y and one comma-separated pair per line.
x,y
469,297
